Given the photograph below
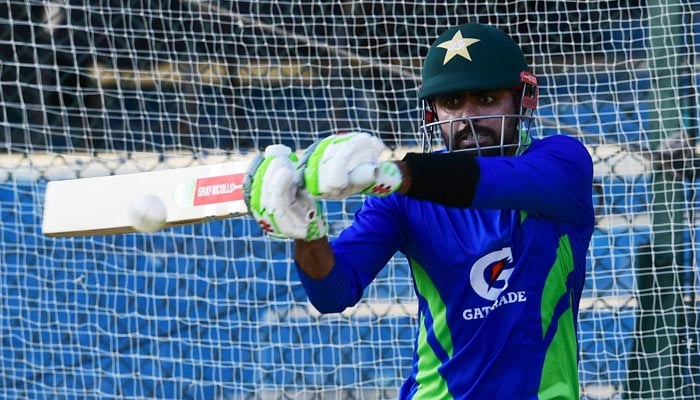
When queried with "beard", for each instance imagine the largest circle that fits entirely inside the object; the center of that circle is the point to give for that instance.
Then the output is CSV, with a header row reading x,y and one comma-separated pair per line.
x,y
484,139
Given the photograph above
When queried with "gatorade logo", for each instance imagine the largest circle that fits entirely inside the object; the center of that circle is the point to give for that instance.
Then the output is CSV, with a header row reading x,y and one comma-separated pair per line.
x,y
489,274
489,278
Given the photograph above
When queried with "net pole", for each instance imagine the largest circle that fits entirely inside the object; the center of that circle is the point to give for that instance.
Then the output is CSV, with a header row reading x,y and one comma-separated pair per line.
x,y
655,362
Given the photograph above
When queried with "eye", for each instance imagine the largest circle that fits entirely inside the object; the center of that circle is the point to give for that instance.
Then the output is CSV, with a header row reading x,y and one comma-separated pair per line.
x,y
486,99
449,100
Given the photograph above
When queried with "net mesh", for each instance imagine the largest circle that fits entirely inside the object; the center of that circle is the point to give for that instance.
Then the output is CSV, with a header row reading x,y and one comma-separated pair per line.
x,y
215,310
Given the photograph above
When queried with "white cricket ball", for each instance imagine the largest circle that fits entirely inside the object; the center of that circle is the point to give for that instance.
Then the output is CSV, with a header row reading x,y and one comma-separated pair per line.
x,y
148,213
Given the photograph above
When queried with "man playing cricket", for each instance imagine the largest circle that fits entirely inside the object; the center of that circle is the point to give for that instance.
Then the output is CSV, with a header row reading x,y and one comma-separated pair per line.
x,y
495,226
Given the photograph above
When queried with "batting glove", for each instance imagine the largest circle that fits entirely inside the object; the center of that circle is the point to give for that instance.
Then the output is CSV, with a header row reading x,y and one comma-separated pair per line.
x,y
277,201
345,164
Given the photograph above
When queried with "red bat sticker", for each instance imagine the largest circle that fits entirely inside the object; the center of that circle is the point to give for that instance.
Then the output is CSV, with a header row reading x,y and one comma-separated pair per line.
x,y
218,189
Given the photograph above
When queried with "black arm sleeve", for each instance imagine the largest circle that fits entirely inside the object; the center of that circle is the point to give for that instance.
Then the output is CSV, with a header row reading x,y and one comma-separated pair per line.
x,y
446,178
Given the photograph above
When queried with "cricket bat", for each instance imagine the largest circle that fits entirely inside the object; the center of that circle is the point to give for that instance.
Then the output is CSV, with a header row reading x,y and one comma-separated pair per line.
x,y
191,195
100,205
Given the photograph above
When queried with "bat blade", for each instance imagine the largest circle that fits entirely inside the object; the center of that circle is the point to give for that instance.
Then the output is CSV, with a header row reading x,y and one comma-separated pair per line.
x,y
100,205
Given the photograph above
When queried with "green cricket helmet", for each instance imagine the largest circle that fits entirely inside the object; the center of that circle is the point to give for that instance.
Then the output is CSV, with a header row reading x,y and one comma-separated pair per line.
x,y
476,57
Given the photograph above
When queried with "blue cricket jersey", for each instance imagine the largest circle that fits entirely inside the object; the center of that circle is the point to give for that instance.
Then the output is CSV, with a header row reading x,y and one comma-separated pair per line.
x,y
498,283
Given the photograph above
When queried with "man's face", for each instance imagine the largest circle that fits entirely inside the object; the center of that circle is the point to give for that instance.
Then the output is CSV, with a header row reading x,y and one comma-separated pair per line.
x,y
486,131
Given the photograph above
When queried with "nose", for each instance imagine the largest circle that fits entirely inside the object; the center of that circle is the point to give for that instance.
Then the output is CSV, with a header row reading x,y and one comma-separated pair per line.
x,y
462,115
461,120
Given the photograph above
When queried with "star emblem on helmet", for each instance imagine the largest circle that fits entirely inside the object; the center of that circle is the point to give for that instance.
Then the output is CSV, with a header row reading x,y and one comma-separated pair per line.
x,y
457,46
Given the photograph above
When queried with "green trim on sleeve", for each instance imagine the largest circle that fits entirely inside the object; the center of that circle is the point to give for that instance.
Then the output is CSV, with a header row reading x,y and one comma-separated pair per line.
x,y
555,285
560,370
431,384
523,216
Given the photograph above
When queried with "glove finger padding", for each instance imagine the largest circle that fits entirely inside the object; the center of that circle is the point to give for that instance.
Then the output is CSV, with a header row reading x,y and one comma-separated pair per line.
x,y
328,164
277,202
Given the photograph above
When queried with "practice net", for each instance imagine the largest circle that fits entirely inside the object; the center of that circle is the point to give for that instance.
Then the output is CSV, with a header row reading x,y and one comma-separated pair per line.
x,y
215,310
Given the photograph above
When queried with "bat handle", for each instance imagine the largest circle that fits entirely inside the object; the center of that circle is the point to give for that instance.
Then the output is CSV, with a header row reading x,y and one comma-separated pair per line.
x,y
363,175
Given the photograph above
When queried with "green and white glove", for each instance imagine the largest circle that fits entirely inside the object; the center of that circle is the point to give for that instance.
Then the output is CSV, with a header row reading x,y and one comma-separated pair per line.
x,y
345,164
276,199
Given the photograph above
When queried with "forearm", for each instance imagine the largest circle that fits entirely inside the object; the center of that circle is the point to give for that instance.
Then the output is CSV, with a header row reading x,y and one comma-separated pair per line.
x,y
327,285
315,258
